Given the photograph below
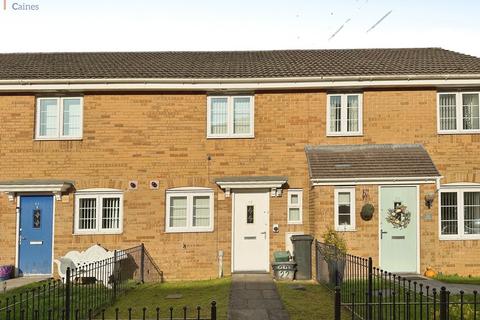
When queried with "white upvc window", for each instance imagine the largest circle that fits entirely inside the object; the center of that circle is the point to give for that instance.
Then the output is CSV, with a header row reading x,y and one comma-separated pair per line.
x,y
459,213
59,118
230,117
189,210
344,211
458,112
98,211
295,201
344,115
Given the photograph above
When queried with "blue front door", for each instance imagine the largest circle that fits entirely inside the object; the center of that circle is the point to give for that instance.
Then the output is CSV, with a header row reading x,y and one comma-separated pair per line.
x,y
35,235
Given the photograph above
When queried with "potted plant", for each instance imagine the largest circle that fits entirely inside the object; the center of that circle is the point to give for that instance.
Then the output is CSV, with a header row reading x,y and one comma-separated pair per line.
x,y
334,253
5,272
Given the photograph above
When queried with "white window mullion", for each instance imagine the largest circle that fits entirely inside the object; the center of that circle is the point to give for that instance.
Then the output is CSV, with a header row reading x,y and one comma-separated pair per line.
x,y
99,213
459,109
230,116
461,213
343,117
60,118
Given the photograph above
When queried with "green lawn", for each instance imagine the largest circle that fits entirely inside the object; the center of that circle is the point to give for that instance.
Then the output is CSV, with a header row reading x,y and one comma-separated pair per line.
x,y
455,278
315,302
193,294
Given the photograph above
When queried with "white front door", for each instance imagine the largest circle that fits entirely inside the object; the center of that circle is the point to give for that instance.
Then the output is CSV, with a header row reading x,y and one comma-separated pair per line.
x,y
250,231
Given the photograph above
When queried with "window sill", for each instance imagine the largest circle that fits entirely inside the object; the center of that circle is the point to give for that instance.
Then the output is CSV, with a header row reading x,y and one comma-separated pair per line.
x,y
464,132
294,222
93,233
250,136
204,230
59,139
358,134
459,238
345,230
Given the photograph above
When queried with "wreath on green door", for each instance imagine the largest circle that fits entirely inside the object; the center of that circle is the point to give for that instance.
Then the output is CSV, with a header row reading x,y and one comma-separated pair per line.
x,y
399,217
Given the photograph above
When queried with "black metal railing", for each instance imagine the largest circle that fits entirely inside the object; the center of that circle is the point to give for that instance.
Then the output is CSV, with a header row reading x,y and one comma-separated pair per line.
x,y
84,289
371,293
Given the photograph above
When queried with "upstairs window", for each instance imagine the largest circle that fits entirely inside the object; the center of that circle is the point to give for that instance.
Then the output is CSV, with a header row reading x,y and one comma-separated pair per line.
x,y
230,117
59,118
344,114
460,214
459,112
189,210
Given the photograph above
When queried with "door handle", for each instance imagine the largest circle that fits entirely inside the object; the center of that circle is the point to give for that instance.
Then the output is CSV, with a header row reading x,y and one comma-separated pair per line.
x,y
264,234
382,233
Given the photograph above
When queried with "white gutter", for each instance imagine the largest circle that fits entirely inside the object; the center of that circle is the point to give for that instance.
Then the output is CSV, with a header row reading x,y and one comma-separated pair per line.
x,y
109,84
389,180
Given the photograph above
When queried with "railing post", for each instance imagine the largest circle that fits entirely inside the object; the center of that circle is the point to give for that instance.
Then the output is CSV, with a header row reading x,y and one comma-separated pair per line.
x,y
370,288
338,303
115,277
213,312
142,264
443,304
67,293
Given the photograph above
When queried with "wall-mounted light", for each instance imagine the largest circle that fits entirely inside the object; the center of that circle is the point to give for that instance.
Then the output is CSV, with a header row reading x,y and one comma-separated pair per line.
x,y
429,197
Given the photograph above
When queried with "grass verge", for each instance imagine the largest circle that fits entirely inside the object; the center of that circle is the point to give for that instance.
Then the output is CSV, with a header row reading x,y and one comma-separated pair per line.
x,y
190,294
455,278
314,302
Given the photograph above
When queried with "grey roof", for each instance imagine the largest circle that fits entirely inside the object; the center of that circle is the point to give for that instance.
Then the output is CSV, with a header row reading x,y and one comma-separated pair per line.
x,y
250,178
236,64
369,161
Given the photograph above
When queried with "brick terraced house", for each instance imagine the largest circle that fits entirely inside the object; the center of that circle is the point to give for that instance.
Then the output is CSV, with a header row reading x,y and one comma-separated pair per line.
x,y
213,159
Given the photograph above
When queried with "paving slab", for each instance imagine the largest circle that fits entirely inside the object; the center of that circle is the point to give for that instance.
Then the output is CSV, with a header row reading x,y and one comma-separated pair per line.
x,y
255,297
20,282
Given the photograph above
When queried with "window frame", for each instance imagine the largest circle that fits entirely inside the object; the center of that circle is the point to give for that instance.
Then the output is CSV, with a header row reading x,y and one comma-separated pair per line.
x,y
458,113
189,193
460,191
230,118
298,192
343,117
59,135
352,226
99,195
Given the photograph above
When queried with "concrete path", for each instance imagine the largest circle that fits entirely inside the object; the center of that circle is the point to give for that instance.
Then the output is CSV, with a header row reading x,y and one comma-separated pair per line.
x,y
19,282
255,297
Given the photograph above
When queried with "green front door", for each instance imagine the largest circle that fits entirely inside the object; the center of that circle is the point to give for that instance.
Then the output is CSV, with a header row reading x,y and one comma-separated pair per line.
x,y
398,229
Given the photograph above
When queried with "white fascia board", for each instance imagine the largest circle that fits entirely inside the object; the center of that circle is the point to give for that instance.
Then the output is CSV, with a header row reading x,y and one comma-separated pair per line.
x,y
392,180
250,184
442,81
35,187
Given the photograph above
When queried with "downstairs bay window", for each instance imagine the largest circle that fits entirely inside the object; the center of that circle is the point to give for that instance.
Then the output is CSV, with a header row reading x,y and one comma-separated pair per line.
x,y
98,211
189,210
460,214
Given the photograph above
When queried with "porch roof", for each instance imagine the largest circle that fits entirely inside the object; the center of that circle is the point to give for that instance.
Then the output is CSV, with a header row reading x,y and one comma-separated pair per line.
x,y
370,162
35,185
251,181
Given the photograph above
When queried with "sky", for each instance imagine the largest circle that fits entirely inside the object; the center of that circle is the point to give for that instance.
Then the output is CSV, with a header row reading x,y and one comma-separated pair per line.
x,y
176,25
